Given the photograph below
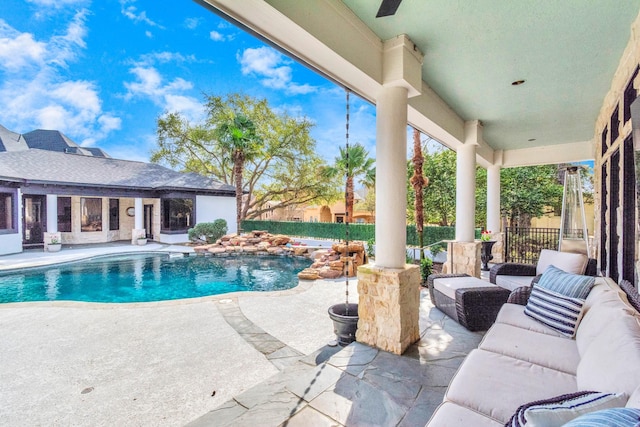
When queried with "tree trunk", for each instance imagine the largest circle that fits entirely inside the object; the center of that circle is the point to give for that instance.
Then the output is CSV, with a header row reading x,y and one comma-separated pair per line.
x,y
349,200
418,182
237,171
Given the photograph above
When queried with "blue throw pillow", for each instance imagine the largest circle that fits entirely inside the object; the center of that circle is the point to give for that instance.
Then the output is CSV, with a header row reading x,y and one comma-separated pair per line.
x,y
555,310
571,285
617,417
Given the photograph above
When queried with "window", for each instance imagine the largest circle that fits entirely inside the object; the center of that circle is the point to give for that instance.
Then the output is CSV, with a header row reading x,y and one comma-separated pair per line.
x,y
114,214
629,97
177,214
64,214
605,147
91,214
6,212
615,123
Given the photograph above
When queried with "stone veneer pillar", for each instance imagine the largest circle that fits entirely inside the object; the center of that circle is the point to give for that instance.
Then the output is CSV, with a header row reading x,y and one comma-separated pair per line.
x,y
389,307
138,230
389,291
463,257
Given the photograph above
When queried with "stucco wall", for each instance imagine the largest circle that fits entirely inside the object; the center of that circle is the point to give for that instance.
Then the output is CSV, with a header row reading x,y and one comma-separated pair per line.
x,y
11,243
210,208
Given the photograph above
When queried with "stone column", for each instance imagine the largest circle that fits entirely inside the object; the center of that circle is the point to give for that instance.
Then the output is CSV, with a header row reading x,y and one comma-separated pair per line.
x,y
138,221
389,291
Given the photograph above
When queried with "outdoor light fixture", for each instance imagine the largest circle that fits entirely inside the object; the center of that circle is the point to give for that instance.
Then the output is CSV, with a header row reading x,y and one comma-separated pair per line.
x,y
517,82
573,226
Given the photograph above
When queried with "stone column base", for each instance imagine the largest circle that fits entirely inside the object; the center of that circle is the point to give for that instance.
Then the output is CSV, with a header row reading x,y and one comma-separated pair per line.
x,y
463,257
388,308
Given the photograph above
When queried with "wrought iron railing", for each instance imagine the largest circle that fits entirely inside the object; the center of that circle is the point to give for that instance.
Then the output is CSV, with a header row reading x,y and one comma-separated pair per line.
x,y
523,244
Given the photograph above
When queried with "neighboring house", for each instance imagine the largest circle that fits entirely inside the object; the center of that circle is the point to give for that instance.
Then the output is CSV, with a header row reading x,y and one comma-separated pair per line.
x,y
52,188
318,213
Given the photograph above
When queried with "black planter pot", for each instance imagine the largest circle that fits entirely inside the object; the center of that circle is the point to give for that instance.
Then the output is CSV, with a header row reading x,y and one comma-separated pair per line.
x,y
485,254
345,322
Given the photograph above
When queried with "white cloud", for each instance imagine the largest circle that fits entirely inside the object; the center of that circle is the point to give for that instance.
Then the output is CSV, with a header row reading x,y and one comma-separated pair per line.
x,y
130,11
19,50
272,69
216,36
34,93
192,23
148,34
164,57
169,95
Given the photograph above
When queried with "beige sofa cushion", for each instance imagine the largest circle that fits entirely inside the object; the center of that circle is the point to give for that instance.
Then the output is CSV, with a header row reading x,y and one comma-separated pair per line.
x,y
496,385
513,282
605,304
449,414
571,263
513,314
449,285
546,350
611,362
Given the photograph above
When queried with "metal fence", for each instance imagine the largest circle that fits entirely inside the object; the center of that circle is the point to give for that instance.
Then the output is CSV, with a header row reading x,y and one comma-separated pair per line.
x,y
523,244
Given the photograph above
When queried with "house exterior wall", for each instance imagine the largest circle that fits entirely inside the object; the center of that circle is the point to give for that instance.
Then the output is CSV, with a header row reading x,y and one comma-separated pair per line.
x,y
210,208
608,235
11,242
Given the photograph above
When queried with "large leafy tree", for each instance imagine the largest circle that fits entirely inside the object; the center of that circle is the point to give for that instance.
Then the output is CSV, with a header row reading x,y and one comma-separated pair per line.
x,y
352,163
525,192
284,169
239,138
440,195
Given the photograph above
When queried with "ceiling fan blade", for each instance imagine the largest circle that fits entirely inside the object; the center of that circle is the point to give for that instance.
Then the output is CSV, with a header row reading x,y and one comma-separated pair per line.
x,y
388,8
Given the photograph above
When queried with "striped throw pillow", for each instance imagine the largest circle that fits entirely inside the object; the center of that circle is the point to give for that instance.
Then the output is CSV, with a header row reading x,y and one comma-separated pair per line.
x,y
571,285
617,417
558,410
555,310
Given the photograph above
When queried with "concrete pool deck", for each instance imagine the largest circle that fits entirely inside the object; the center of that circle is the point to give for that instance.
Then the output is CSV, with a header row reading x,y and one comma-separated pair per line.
x,y
160,363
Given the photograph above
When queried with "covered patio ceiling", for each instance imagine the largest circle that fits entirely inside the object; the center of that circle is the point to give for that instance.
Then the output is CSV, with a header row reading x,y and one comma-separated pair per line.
x,y
566,53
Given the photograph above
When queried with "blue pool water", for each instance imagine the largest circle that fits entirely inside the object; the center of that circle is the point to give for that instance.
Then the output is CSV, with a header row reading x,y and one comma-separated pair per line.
x,y
150,277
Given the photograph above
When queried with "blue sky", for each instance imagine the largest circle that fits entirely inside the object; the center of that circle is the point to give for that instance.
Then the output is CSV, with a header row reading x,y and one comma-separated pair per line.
x,y
103,71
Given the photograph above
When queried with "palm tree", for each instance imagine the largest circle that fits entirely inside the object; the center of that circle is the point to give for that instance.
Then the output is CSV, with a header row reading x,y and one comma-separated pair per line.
x,y
239,138
418,181
359,164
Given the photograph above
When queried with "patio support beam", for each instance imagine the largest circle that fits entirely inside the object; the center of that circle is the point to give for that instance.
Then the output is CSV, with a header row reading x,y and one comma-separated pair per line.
x,y
493,198
391,174
138,221
52,213
389,291
466,182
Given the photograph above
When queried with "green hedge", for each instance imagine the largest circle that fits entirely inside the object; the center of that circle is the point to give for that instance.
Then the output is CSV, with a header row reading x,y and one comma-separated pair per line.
x,y
336,231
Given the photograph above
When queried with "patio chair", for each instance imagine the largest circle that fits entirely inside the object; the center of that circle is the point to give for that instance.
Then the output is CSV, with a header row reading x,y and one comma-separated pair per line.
x,y
515,275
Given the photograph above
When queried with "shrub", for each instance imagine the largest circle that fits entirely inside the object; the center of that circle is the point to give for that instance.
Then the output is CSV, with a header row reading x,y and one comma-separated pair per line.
x,y
426,267
370,248
208,231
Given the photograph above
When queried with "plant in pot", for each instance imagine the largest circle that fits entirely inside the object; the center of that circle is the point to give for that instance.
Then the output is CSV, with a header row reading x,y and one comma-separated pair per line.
x,y
485,250
142,240
54,245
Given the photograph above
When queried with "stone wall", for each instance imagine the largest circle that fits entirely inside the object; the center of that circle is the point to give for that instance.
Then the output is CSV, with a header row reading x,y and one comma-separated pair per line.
x,y
463,257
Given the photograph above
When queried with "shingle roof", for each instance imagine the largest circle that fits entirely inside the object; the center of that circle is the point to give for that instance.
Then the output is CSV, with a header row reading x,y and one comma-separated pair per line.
x,y
11,141
42,166
54,140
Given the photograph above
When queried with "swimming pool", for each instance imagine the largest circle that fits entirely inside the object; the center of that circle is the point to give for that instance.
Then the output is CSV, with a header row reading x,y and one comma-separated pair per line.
x,y
150,277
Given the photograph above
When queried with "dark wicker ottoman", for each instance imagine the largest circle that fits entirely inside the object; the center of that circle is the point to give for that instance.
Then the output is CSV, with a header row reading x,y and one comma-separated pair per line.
x,y
476,303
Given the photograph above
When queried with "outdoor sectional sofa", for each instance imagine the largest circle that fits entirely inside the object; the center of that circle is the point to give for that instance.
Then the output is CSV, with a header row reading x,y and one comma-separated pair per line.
x,y
521,360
